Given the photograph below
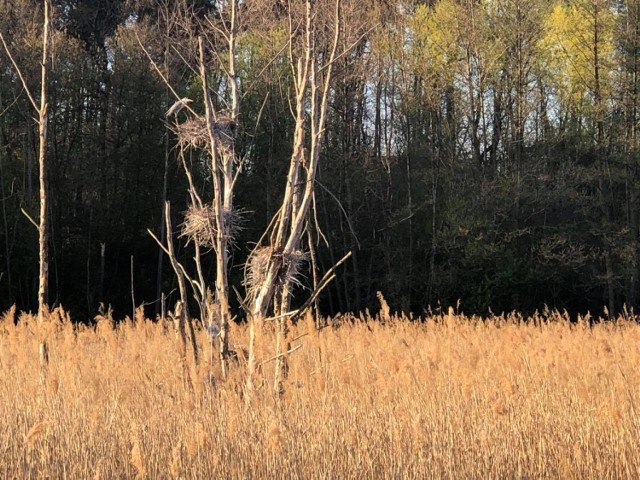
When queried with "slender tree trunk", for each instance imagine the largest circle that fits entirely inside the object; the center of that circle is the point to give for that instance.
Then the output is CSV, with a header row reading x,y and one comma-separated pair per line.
x,y
632,202
4,218
283,343
597,91
474,111
103,247
88,285
434,236
164,198
410,239
377,134
314,274
181,313
222,195
251,360
43,253
133,294
228,158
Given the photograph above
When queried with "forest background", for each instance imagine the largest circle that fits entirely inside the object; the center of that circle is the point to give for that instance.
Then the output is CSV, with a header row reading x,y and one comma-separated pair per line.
x,y
481,151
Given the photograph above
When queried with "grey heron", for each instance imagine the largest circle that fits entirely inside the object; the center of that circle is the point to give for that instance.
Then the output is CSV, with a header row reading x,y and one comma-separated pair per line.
x,y
176,107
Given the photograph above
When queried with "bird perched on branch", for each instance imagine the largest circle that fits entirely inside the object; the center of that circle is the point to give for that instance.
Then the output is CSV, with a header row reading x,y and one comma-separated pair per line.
x,y
176,107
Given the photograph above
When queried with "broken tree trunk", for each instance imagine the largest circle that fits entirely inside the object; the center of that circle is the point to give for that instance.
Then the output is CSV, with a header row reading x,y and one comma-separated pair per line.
x,y
181,317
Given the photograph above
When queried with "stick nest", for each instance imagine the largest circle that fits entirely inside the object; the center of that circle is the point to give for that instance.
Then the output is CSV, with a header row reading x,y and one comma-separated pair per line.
x,y
224,131
199,225
193,132
289,268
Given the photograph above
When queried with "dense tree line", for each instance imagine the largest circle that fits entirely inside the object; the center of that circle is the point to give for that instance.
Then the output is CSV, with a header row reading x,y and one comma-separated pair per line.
x,y
481,151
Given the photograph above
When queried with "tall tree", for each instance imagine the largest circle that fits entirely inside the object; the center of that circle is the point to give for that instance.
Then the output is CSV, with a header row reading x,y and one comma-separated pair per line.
x,y
43,228
273,268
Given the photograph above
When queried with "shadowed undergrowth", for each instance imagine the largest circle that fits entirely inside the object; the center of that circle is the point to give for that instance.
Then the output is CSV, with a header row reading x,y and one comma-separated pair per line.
x,y
449,397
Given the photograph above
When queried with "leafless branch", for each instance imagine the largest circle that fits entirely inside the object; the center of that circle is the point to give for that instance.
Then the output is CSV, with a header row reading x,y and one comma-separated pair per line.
x,y
162,75
283,354
19,72
344,212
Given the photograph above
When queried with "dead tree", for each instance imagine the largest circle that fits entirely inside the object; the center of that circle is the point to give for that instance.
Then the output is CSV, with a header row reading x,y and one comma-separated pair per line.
x,y
274,268
180,316
221,132
215,224
43,239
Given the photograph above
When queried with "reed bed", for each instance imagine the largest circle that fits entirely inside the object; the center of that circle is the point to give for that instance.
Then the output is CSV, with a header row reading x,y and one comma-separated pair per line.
x,y
444,397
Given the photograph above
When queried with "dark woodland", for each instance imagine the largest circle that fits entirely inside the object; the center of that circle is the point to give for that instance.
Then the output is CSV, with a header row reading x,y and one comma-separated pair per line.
x,y
483,154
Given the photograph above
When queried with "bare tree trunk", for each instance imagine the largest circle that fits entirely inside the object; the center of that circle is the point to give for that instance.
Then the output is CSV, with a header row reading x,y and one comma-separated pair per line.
x,y
291,219
377,135
43,253
434,236
283,343
4,220
162,221
103,247
165,183
313,79
181,318
221,187
88,286
182,310
410,239
251,360
133,294
314,275
179,314
227,154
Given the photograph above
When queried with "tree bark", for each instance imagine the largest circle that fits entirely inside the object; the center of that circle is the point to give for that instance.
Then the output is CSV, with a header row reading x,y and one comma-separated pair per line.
x,y
43,252
222,179
181,315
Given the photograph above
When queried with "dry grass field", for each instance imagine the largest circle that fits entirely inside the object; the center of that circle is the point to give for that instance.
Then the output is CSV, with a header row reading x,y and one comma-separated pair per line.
x,y
450,397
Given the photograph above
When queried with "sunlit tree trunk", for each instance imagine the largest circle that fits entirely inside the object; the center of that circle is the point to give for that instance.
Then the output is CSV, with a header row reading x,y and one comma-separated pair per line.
x,y
313,80
43,238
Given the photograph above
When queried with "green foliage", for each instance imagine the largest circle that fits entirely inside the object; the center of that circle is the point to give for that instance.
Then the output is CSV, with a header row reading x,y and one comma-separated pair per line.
x,y
579,48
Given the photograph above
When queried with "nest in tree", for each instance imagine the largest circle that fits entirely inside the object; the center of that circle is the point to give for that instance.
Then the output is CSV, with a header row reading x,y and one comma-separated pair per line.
x,y
289,268
224,131
200,225
193,133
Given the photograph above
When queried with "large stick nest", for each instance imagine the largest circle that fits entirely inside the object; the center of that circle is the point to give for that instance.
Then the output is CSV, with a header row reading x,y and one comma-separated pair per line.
x,y
200,226
193,132
289,268
224,131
